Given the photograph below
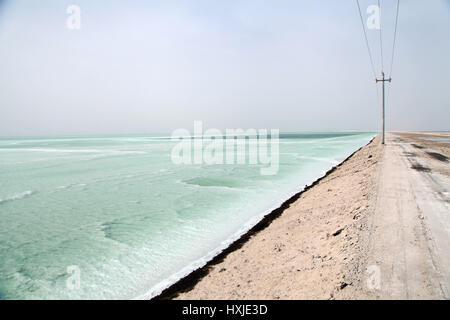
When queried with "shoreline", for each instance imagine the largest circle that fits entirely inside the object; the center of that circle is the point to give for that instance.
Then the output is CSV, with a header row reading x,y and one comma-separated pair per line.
x,y
188,282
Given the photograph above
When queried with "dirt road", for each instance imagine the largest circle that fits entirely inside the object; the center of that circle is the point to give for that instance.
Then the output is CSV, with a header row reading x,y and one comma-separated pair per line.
x,y
409,255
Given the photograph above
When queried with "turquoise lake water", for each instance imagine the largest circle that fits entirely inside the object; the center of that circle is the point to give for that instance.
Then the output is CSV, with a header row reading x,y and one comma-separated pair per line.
x,y
128,218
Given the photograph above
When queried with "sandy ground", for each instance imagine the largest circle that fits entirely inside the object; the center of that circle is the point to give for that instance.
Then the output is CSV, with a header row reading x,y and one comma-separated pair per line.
x,y
377,227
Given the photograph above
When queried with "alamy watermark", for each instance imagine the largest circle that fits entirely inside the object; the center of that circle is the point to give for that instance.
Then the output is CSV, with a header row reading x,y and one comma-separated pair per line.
x,y
73,21
373,280
373,21
234,146
74,280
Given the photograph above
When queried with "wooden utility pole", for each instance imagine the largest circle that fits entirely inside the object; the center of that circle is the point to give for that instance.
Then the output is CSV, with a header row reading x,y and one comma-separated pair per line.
x,y
383,80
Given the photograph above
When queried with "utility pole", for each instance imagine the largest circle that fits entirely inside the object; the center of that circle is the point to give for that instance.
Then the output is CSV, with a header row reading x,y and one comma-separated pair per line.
x,y
383,80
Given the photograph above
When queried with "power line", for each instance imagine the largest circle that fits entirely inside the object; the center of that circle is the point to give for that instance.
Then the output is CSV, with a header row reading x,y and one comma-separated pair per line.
x,y
395,37
367,42
381,39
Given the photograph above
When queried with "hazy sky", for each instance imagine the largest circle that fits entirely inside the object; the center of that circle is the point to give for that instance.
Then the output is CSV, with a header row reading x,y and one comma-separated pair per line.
x,y
154,66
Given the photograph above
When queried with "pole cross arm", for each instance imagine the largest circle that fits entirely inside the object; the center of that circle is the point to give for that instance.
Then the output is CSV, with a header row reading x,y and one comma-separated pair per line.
x,y
382,80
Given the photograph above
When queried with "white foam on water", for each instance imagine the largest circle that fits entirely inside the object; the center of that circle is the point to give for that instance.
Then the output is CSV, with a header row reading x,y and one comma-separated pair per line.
x,y
18,196
102,151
